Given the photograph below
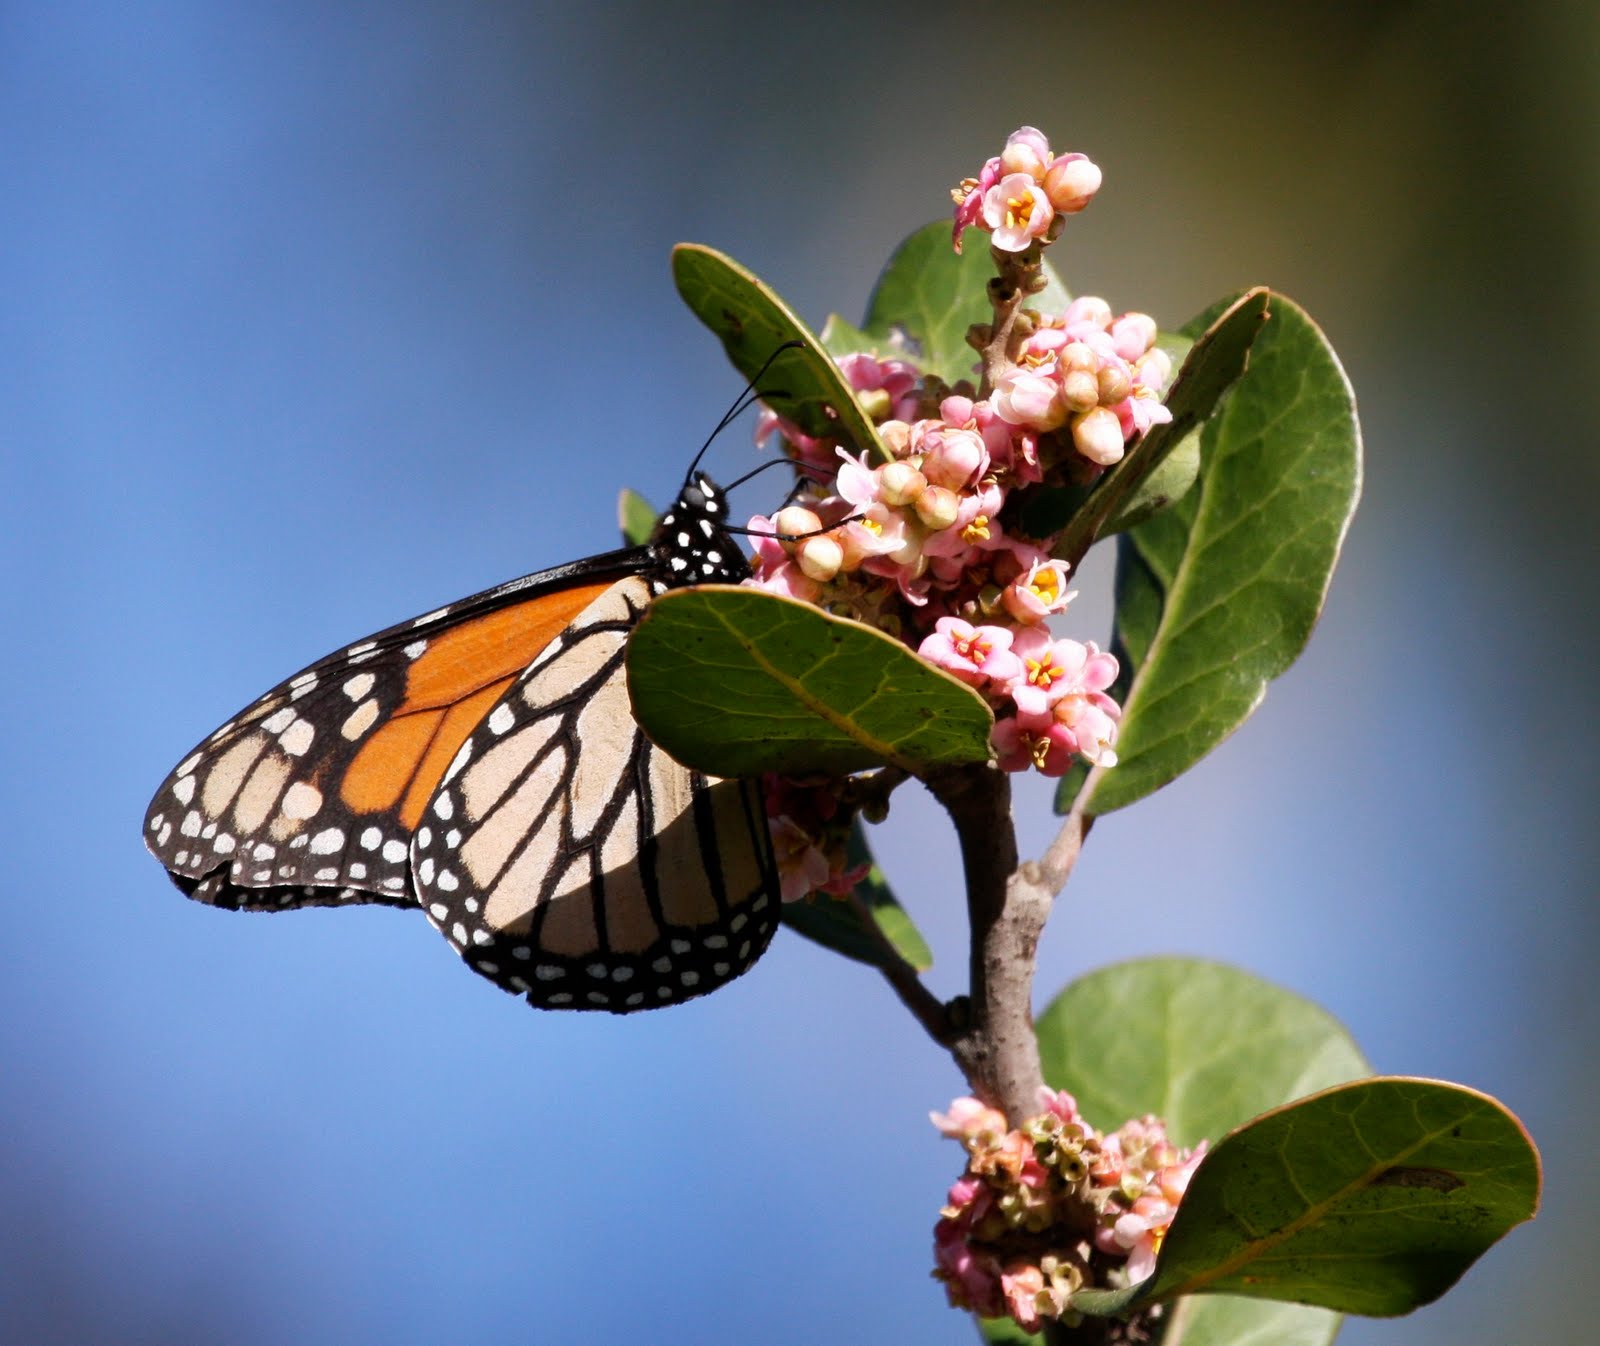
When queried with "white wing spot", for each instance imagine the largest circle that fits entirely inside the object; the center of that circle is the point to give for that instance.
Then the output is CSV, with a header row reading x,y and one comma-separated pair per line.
x,y
458,932
430,617
263,851
306,679
192,823
395,883
560,998
184,789
522,951
598,998
738,923
188,764
596,970
359,720
637,998
424,837
415,649
301,800
716,941
327,841
488,969
680,946
689,978
223,845
500,720
296,739
447,881
439,911
394,851
366,647
357,870
276,724
549,972
482,937
358,686
622,974
371,839
662,964
166,831
327,875
425,870
721,969
452,838
155,823
443,808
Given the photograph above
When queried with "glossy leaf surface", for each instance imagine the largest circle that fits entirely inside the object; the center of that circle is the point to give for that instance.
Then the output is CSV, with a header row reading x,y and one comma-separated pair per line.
x,y
735,681
1218,595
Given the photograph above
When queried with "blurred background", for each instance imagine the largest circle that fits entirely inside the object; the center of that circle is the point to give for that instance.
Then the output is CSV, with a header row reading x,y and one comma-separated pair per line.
x,y
317,316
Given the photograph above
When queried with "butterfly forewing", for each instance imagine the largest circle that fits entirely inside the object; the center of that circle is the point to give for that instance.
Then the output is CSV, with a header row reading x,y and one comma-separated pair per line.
x,y
570,860
310,795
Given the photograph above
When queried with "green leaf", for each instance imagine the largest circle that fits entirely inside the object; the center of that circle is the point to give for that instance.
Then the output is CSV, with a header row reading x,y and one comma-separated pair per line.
x,y
1214,363
636,516
1206,1047
1218,595
836,923
1202,1044
735,681
751,321
843,338
929,295
1372,1197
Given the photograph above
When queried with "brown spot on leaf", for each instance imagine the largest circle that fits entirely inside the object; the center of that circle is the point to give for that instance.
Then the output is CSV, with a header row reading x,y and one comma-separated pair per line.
x,y
1439,1179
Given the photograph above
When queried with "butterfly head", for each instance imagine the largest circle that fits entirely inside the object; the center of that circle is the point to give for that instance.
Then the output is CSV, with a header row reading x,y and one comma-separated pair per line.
x,y
690,543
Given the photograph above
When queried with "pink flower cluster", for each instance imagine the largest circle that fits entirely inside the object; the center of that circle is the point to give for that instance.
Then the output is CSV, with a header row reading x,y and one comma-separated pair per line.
x,y
1051,1207
925,540
1024,193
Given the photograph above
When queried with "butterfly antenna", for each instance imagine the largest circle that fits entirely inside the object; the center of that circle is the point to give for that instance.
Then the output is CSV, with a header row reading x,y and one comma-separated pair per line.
x,y
741,403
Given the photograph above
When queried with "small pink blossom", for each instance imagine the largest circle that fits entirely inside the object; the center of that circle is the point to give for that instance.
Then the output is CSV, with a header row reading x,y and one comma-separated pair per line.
x,y
1037,742
969,198
980,655
802,867
1133,334
1039,592
1027,151
1017,211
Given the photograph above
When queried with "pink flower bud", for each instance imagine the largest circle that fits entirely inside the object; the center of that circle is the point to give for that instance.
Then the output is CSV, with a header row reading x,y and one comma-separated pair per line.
x,y
1022,397
1134,334
1080,389
900,483
1097,435
1154,368
1114,382
1026,151
956,459
819,558
896,437
1088,310
793,520
938,506
1077,355
1071,182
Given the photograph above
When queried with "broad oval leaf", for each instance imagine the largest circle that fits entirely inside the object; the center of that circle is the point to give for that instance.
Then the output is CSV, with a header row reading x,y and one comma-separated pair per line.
x,y
1203,1045
840,924
752,322
1218,595
1206,1047
734,681
1372,1198
929,295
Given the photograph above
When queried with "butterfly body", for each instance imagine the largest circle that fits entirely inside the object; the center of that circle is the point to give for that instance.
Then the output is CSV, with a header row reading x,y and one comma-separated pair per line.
x,y
482,761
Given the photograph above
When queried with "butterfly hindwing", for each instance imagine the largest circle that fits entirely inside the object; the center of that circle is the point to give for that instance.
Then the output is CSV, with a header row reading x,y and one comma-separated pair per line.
x,y
570,860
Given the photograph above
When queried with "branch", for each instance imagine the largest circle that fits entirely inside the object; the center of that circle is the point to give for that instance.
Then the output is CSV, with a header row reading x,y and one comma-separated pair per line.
x,y
1007,908
931,1012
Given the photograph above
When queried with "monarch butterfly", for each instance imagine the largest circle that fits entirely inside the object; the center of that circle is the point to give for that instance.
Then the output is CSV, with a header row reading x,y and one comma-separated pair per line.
x,y
482,762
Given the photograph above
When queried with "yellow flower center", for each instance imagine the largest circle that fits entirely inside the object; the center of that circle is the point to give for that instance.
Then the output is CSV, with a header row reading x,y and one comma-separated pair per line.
x,y
977,530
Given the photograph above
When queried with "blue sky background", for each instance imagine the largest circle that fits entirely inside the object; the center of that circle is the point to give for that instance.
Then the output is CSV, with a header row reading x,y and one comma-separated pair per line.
x,y
315,317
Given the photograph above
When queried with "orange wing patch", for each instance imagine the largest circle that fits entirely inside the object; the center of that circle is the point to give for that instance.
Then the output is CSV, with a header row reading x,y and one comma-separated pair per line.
x,y
449,689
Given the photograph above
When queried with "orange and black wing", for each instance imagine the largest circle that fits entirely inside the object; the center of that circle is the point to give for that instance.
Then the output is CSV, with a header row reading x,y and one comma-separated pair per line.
x,y
310,796
570,860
